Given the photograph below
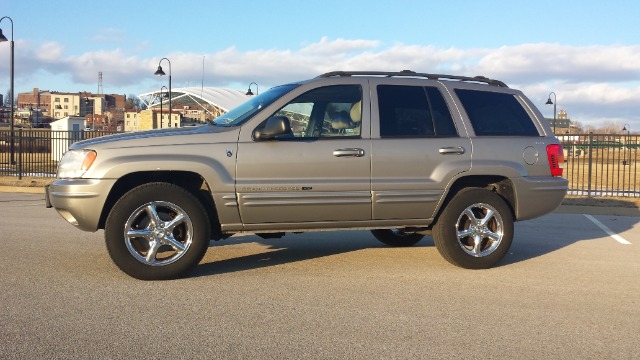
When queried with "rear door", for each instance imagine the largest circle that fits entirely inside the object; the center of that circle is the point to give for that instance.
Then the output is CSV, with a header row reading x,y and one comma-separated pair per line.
x,y
418,147
320,172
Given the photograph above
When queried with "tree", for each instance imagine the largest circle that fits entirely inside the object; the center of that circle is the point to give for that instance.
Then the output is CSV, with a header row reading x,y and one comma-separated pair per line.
x,y
133,102
610,127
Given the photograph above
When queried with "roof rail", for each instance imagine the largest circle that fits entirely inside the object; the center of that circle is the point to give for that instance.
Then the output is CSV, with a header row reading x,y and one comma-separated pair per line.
x,y
409,73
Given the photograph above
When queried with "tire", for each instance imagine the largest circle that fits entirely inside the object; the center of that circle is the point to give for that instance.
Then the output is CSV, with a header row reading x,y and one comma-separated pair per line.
x,y
478,246
157,231
396,237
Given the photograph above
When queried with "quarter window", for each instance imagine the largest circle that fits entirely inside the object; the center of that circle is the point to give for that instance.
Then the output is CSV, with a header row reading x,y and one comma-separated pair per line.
x,y
496,114
413,111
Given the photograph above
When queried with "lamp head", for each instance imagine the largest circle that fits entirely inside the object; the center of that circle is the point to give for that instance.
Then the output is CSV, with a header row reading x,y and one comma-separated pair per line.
x,y
249,92
549,102
2,37
159,72
624,128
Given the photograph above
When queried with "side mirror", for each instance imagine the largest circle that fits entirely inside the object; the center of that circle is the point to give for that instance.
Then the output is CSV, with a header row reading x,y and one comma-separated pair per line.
x,y
275,126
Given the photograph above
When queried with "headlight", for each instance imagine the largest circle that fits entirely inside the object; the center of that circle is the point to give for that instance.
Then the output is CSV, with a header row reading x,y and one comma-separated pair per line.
x,y
75,163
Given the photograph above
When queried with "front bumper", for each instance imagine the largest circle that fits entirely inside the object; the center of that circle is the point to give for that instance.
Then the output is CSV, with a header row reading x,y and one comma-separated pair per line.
x,y
79,201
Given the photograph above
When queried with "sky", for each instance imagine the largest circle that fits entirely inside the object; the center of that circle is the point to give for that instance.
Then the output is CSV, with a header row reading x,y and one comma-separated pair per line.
x,y
586,52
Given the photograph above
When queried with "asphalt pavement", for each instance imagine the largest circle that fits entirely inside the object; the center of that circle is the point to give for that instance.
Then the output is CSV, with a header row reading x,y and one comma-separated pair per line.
x,y
568,288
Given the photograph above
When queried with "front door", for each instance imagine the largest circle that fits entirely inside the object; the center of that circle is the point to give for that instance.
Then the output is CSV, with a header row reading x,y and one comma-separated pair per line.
x,y
319,172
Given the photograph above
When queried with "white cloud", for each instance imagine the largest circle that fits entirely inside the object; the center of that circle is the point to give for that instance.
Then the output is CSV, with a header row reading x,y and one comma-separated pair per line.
x,y
338,46
50,52
592,82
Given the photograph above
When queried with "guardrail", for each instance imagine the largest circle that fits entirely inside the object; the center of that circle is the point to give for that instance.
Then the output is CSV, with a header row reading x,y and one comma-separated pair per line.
x,y
595,164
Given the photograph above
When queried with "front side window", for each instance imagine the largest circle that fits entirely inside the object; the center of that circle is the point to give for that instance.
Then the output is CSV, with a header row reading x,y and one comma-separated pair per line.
x,y
326,112
413,111
496,114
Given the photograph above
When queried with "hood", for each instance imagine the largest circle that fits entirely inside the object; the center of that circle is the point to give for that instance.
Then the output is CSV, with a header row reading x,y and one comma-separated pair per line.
x,y
156,137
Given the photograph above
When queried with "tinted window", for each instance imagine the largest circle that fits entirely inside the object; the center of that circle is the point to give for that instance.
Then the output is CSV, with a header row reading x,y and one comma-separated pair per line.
x,y
413,111
496,114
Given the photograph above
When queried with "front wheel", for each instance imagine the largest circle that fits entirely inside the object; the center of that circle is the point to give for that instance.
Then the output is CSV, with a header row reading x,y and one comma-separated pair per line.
x,y
157,231
475,229
396,237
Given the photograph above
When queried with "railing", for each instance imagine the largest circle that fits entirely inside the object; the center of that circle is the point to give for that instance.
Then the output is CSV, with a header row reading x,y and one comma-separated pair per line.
x,y
595,164
36,152
602,164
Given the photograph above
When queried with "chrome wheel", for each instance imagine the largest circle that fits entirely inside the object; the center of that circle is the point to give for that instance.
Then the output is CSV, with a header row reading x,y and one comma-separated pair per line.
x,y
158,233
479,230
475,229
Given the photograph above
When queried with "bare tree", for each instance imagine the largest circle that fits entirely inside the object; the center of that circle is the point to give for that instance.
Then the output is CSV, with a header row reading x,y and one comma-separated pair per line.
x,y
610,127
134,102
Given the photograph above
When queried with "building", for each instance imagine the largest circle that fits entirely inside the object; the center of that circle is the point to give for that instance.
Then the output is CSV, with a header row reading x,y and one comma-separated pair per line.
x,y
561,124
74,126
45,106
196,104
149,119
132,120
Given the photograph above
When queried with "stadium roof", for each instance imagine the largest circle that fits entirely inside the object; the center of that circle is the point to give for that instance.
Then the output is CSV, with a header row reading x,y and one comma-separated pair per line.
x,y
224,99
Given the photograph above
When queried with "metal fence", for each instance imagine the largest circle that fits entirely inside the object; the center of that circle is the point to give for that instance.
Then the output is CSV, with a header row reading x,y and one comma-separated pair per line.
x,y
36,152
595,164
602,164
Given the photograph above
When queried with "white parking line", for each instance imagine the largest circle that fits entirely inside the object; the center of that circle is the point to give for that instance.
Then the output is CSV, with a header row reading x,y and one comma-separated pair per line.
x,y
617,237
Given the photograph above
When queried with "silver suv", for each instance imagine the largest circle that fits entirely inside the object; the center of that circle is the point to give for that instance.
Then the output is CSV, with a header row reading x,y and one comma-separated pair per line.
x,y
402,154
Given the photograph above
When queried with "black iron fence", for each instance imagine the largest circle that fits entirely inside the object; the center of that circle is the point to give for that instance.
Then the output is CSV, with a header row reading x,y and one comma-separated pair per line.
x,y
595,164
602,164
36,152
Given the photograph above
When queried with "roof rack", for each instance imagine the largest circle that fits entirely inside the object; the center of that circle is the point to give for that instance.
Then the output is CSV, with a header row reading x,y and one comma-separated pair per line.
x,y
409,73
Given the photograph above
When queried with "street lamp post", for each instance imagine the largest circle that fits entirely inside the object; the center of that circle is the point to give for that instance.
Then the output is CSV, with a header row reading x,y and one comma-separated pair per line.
x,y
549,102
159,72
249,91
3,39
161,99
627,128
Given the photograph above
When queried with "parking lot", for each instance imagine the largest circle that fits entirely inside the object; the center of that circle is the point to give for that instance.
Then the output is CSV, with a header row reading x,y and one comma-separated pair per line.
x,y
569,288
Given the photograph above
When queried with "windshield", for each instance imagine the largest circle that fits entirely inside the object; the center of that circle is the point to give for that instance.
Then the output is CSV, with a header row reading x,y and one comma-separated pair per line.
x,y
246,110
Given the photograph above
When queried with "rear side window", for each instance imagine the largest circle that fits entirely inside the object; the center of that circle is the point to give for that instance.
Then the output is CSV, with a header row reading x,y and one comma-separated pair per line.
x,y
496,114
413,111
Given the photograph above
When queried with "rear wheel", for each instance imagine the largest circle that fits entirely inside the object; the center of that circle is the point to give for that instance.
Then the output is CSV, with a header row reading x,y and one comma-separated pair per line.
x,y
475,230
157,231
397,237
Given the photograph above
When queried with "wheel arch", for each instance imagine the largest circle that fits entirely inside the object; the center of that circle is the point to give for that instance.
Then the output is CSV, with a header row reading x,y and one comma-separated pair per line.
x,y
501,185
190,181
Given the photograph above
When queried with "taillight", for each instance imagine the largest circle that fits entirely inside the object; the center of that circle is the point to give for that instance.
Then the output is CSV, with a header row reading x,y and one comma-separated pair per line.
x,y
556,159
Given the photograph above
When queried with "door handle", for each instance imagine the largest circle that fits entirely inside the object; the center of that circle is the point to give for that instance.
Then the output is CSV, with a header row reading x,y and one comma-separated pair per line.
x,y
351,152
453,150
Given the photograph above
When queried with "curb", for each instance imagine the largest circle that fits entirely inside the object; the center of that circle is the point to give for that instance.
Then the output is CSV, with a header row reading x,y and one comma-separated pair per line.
x,y
21,189
597,210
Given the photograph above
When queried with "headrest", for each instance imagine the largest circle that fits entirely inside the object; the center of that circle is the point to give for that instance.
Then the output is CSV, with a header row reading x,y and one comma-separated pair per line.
x,y
341,121
356,111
